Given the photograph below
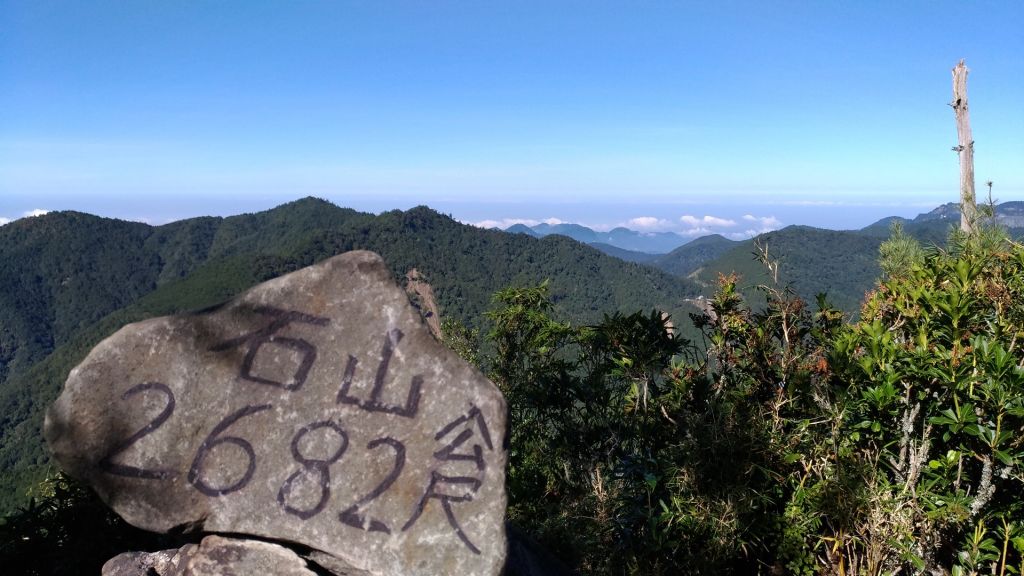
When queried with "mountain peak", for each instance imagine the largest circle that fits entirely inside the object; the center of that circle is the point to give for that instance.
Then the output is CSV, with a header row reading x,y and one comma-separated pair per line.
x,y
949,210
520,229
306,203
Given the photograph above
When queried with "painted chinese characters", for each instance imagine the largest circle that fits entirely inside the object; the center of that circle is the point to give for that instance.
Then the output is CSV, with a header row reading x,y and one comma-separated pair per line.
x,y
464,486
268,335
374,404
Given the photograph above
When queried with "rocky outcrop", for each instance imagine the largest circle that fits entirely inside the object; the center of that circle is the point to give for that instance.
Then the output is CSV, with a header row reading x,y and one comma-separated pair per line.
x,y
314,409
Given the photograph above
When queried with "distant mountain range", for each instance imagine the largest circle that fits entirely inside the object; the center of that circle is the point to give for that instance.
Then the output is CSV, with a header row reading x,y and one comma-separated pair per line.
x,y
620,238
1008,214
635,246
843,264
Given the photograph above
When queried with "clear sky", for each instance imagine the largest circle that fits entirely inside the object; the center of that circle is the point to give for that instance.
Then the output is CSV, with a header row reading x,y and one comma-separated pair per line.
x,y
669,115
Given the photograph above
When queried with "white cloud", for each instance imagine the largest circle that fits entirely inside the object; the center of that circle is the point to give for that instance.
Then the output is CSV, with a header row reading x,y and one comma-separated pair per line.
x,y
648,224
707,221
506,222
770,222
698,231
4,220
738,228
757,225
742,235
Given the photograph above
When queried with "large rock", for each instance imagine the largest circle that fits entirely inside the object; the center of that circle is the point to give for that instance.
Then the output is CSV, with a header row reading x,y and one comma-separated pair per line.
x,y
315,408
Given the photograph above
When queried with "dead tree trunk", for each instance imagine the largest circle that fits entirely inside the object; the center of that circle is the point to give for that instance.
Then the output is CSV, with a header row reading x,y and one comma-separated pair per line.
x,y
965,148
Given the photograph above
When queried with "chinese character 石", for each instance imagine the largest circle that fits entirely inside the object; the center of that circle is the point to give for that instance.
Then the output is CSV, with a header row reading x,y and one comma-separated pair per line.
x,y
268,335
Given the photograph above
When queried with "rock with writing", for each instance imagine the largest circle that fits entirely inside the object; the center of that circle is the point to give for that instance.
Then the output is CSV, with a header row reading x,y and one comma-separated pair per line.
x,y
314,408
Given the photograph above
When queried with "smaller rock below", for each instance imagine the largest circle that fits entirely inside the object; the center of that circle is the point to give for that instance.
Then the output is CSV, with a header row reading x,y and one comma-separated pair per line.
x,y
214,556
332,564
162,563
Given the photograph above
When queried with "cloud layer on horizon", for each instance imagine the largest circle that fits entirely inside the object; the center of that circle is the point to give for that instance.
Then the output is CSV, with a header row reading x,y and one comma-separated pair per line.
x,y
687,225
757,225
507,222
648,224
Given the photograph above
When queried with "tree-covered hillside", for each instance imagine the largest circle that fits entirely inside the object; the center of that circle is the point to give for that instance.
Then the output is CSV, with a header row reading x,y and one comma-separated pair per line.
x,y
63,272
623,254
686,259
71,279
840,263
844,265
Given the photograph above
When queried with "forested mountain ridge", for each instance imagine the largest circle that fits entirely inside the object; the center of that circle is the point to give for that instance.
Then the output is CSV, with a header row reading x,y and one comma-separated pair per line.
x,y
64,271
689,257
623,254
841,264
69,279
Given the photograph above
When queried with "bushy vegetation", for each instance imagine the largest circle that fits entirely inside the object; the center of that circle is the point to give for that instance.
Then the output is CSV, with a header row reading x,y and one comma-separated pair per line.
x,y
66,529
796,444
841,263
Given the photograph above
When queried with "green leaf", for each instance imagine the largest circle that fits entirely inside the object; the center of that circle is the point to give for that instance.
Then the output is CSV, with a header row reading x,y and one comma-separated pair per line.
x,y
1003,457
1018,543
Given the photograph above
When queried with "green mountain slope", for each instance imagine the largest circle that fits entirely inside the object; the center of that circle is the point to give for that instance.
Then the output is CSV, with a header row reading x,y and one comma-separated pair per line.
x,y
842,264
623,254
686,259
72,279
64,271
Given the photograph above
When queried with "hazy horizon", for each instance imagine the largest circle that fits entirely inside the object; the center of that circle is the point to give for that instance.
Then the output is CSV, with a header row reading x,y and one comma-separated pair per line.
x,y
697,220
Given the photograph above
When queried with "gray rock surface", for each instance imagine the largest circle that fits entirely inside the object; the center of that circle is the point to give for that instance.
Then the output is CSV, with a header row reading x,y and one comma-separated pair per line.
x,y
314,408
214,556
161,563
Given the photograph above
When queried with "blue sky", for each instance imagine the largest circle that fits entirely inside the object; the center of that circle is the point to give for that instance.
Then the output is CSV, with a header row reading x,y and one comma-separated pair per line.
x,y
666,115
